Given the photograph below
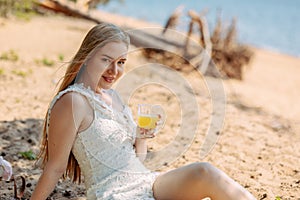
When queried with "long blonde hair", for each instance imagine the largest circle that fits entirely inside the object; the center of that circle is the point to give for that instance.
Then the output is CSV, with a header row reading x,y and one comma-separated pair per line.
x,y
97,37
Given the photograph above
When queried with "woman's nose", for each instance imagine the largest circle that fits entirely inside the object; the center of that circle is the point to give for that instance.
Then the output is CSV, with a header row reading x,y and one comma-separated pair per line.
x,y
113,69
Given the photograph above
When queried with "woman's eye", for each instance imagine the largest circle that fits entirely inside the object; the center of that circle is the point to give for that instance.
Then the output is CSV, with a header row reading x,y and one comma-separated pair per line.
x,y
121,62
106,60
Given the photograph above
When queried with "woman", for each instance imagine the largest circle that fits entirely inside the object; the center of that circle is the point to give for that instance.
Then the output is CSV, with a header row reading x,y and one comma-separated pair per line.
x,y
88,129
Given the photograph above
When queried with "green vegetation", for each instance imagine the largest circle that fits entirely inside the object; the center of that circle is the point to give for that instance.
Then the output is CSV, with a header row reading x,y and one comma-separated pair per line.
x,y
61,57
10,55
19,73
47,62
28,155
1,71
22,9
277,198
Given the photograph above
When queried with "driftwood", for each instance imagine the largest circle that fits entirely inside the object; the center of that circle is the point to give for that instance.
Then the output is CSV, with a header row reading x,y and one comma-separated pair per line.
x,y
221,56
173,19
168,48
59,7
203,58
147,38
229,56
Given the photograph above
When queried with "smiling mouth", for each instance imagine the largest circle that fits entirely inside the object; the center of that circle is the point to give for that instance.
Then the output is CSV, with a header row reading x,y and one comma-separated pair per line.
x,y
108,79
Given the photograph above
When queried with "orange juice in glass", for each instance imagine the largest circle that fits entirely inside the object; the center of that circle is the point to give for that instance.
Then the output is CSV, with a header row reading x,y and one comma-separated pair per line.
x,y
147,121
149,115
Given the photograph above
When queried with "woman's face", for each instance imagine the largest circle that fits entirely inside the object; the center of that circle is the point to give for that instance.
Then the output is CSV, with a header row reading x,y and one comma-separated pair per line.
x,y
106,65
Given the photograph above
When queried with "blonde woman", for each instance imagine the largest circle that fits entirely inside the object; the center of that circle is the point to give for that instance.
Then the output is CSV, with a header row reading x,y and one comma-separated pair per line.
x,y
89,130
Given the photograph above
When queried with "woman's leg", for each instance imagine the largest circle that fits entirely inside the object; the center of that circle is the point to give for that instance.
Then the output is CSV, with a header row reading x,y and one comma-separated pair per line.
x,y
197,181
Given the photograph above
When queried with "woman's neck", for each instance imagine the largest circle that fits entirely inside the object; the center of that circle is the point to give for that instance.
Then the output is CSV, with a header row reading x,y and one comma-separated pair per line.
x,y
85,79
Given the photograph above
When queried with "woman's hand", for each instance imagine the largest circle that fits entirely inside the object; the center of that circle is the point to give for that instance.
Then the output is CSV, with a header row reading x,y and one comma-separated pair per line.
x,y
141,143
143,133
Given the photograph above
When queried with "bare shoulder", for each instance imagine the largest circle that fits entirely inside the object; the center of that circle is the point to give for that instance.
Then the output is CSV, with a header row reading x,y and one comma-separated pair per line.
x,y
73,99
71,103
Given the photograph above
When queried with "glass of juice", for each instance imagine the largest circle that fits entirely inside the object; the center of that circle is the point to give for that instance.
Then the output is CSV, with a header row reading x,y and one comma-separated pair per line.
x,y
150,116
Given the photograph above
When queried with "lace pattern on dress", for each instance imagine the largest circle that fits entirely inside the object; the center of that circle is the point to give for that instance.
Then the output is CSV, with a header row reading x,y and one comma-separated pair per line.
x,y
124,186
106,155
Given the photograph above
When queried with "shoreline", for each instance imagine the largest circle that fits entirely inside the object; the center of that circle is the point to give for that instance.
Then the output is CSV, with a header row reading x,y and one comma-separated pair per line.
x,y
135,21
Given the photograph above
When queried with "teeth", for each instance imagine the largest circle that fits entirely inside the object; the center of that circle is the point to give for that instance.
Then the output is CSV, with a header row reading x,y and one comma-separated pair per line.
x,y
108,79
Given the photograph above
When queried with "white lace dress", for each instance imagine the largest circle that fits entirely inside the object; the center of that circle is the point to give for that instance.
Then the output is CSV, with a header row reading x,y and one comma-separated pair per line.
x,y
106,155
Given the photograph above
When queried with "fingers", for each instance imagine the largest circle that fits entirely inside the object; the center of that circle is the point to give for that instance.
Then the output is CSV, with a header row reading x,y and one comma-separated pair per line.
x,y
146,133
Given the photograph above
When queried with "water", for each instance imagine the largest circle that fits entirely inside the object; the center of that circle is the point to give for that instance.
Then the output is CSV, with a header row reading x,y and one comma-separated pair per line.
x,y
268,24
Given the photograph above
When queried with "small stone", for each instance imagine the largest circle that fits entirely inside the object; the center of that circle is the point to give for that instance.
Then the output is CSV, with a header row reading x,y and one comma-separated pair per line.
x,y
6,137
264,196
67,193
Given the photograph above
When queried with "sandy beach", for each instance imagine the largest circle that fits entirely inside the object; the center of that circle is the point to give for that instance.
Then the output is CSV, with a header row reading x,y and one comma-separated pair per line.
x,y
257,145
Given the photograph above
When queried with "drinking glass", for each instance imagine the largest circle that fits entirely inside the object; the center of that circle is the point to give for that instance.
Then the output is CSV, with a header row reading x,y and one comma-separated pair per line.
x,y
150,116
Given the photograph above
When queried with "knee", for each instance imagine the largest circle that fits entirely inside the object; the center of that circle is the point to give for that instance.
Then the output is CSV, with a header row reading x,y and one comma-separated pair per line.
x,y
203,171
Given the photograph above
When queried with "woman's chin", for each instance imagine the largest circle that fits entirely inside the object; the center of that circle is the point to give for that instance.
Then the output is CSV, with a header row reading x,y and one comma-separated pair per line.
x,y
106,85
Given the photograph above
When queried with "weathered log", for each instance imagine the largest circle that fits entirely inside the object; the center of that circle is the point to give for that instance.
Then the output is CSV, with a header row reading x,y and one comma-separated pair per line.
x,y
201,60
216,36
59,7
231,34
173,19
144,39
175,49
147,38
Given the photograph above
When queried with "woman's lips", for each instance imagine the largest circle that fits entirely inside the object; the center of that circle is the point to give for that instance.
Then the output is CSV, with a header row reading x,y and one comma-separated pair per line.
x,y
108,79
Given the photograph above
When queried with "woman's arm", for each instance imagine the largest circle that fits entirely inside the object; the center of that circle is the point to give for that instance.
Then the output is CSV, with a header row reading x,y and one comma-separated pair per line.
x,y
141,142
141,148
64,124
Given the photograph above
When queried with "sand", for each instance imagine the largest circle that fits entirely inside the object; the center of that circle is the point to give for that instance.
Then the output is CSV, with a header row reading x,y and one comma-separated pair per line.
x,y
257,144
